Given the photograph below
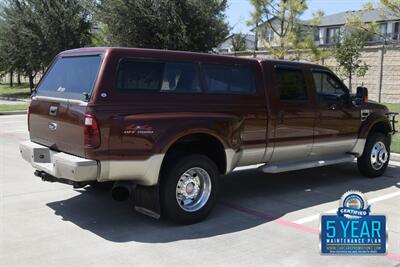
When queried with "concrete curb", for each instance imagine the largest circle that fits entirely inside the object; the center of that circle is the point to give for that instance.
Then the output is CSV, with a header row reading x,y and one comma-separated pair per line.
x,y
17,112
15,99
395,157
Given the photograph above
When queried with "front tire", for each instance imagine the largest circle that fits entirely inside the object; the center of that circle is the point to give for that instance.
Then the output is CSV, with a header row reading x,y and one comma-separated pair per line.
x,y
189,188
375,158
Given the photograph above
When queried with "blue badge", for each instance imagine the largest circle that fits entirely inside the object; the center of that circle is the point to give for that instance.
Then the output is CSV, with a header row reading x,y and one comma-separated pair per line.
x,y
353,230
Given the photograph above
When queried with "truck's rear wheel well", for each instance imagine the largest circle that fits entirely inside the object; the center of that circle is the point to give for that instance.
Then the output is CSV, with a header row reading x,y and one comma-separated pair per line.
x,y
380,127
203,144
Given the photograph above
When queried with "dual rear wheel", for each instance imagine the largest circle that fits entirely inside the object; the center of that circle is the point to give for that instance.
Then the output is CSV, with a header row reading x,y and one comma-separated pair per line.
x,y
189,188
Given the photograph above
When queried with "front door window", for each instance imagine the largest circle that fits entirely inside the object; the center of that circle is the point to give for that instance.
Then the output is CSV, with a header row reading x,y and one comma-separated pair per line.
x,y
328,87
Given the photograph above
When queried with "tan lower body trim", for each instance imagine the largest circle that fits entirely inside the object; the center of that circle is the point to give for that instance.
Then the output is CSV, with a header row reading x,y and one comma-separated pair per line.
x,y
358,148
143,172
243,157
249,157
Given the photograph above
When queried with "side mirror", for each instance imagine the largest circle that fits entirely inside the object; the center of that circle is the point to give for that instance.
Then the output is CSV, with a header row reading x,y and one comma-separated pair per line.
x,y
361,95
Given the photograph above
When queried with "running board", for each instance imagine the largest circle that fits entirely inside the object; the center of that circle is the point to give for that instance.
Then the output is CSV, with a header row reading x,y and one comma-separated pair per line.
x,y
299,165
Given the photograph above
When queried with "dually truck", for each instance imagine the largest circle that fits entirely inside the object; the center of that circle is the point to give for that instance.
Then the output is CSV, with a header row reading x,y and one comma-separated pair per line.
x,y
162,126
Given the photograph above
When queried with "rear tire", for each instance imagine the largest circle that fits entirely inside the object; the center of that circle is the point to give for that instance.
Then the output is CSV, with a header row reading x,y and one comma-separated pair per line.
x,y
189,188
375,158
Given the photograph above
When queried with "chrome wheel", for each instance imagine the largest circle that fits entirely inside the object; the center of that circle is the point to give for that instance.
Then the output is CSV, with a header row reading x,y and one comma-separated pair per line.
x,y
379,155
193,189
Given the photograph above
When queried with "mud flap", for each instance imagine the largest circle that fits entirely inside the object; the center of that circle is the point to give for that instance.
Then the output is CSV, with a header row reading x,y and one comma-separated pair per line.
x,y
147,200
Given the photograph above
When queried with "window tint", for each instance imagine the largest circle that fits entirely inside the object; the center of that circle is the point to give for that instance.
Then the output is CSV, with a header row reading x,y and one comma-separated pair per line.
x,y
158,76
140,75
70,77
291,84
180,77
226,79
327,86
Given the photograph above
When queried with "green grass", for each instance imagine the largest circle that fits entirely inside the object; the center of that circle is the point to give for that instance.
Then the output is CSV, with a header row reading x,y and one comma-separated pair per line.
x,y
13,107
15,91
396,138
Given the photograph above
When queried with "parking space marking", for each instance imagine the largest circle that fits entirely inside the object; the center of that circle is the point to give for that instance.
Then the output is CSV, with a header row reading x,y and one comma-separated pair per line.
x,y
270,217
394,163
390,255
373,200
15,136
393,256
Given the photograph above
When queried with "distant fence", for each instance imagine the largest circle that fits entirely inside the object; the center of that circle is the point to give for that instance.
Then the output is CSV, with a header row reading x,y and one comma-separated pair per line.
x,y
382,78
5,78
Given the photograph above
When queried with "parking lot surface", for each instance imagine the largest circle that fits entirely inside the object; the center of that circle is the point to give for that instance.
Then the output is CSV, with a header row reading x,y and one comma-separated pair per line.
x,y
260,219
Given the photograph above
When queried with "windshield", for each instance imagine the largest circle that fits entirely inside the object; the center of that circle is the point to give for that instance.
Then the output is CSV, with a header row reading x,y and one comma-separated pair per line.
x,y
71,77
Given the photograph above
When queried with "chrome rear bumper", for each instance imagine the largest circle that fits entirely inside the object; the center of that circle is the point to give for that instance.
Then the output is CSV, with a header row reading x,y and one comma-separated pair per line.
x,y
65,166
59,164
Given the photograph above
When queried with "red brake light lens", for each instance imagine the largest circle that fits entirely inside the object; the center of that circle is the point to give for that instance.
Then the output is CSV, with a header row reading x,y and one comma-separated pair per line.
x,y
91,132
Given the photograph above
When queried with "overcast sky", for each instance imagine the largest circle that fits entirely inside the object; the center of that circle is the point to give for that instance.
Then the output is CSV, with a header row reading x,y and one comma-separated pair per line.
x,y
239,10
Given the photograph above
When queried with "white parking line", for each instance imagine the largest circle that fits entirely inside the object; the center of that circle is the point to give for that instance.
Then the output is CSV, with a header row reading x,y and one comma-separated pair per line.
x,y
394,163
373,200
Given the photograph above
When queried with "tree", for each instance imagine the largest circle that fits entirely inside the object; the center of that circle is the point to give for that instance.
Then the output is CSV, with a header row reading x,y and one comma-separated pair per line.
x,y
33,32
61,24
281,17
347,52
164,24
238,42
302,39
392,5
18,45
317,53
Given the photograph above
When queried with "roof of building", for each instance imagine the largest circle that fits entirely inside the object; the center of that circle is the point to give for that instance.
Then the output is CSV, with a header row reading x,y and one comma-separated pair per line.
x,y
342,17
249,37
299,21
366,16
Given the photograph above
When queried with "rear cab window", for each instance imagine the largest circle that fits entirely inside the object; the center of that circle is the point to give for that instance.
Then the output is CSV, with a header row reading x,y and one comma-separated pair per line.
x,y
158,76
136,75
291,84
71,77
229,79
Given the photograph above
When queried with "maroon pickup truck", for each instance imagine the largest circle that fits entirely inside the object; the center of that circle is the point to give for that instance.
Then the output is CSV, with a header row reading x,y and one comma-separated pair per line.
x,y
162,126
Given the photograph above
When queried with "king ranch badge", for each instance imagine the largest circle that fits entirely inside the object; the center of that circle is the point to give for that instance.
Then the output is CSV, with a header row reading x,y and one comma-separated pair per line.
x,y
353,230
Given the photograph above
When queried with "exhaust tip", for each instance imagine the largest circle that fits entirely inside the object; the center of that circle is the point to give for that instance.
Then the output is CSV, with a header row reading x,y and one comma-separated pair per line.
x,y
121,191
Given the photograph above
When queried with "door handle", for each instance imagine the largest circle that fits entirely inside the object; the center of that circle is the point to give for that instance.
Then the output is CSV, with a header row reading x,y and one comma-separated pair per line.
x,y
53,110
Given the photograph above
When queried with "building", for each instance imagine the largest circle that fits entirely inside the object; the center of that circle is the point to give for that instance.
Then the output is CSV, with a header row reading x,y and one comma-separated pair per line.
x,y
227,47
267,37
329,27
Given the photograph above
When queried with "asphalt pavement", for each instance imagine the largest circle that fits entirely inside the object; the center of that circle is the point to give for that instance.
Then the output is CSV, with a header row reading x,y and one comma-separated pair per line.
x,y
260,219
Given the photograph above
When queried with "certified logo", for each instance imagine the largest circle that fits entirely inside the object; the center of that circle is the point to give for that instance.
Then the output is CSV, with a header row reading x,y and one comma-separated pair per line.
x,y
353,205
353,230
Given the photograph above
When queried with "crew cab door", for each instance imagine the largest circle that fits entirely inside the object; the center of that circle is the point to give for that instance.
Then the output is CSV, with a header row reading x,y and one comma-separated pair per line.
x,y
338,120
294,114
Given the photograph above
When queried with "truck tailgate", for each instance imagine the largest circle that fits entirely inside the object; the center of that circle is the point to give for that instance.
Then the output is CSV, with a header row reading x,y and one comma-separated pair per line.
x,y
58,126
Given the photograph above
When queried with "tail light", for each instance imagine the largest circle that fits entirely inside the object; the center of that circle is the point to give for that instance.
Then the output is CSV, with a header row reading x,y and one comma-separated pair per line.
x,y
29,118
91,132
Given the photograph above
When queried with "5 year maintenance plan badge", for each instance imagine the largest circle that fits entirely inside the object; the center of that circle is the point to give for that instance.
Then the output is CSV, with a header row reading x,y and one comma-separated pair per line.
x,y
353,230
